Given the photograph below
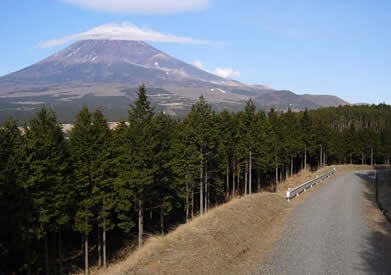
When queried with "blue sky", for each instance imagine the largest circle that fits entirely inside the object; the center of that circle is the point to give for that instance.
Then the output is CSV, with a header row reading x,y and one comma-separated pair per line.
x,y
320,47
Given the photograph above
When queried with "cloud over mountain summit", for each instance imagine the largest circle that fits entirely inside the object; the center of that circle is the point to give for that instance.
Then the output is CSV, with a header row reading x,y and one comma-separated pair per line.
x,y
123,31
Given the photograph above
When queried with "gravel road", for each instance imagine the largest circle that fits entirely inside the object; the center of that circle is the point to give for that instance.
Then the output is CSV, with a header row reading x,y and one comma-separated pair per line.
x,y
328,233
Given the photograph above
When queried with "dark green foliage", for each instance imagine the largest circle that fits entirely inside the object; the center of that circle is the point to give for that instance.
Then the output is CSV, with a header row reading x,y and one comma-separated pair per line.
x,y
84,144
153,172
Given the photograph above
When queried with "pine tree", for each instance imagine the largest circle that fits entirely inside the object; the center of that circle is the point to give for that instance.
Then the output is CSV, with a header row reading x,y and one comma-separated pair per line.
x,y
16,246
136,178
48,170
225,147
104,174
200,119
83,154
249,136
277,147
264,154
163,192
185,165
307,138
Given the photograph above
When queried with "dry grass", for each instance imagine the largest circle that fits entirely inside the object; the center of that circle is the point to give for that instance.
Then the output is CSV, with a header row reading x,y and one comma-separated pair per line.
x,y
229,239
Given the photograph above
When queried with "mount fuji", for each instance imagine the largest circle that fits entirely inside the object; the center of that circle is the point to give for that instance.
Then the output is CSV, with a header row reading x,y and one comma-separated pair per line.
x,y
106,73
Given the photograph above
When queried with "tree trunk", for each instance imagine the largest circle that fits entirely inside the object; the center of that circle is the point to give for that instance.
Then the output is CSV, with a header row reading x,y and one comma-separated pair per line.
x,y
227,191
85,254
362,158
250,174
291,165
206,190
99,249
305,158
104,244
276,181
238,186
233,178
54,257
140,222
192,202
371,155
324,157
320,157
162,220
187,201
60,255
258,180
286,171
201,184
245,177
45,241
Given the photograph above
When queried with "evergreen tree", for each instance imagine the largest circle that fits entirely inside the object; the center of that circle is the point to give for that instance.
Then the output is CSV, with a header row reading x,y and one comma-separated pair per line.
x,y
16,241
86,144
136,176
104,175
264,153
185,165
202,133
164,191
307,135
47,180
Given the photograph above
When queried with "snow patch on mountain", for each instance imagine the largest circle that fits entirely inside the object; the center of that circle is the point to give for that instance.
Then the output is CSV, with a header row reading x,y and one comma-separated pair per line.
x,y
219,90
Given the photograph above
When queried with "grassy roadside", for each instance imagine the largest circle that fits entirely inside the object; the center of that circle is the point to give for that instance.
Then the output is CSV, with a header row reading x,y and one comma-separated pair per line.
x,y
229,239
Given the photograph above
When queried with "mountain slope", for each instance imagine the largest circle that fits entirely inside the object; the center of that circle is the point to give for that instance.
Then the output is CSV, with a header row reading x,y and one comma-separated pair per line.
x,y
325,100
93,61
106,74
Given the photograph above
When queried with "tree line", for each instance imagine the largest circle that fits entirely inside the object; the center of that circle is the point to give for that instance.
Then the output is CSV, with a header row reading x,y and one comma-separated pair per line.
x,y
154,172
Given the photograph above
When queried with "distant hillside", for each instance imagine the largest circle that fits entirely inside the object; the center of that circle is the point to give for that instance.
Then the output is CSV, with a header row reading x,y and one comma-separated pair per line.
x,y
106,73
325,100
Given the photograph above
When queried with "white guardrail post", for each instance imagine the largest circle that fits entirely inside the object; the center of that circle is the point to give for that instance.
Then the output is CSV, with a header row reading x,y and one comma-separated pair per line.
x,y
293,192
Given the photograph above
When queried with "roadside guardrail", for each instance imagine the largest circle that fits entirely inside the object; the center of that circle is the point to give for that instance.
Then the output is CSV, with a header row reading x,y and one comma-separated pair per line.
x,y
293,192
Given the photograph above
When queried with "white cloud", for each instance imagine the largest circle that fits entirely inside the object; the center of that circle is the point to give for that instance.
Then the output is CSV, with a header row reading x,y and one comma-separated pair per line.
x,y
142,6
124,31
199,65
228,73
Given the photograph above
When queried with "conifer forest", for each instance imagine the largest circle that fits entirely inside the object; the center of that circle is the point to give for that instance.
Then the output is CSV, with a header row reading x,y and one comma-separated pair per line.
x,y
74,199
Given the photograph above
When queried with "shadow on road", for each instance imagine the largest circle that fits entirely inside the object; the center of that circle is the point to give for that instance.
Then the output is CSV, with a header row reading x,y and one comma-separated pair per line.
x,y
375,254
376,248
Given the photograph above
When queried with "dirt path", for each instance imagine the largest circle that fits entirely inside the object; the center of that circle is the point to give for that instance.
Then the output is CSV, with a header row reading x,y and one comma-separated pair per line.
x,y
333,231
